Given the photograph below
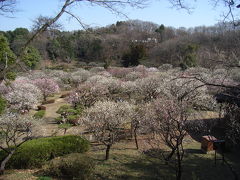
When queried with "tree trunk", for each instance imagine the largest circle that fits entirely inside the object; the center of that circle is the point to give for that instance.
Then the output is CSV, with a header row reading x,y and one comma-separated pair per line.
x,y
44,97
170,155
132,129
6,159
179,165
135,137
107,152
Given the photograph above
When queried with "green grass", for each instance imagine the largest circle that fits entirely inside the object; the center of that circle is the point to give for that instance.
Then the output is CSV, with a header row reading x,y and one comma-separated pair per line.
x,y
129,164
132,165
19,175
40,114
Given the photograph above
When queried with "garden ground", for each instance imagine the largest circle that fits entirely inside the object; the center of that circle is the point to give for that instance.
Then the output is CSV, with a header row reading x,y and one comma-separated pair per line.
x,y
126,162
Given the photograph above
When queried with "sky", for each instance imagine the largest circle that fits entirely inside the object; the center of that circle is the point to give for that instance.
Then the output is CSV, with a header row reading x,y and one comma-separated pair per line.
x,y
157,11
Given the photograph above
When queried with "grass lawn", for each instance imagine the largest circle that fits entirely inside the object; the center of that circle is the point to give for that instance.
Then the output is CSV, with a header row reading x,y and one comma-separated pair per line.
x,y
127,163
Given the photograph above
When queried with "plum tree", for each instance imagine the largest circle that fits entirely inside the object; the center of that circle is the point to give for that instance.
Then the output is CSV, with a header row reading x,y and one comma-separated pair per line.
x,y
47,86
15,129
106,120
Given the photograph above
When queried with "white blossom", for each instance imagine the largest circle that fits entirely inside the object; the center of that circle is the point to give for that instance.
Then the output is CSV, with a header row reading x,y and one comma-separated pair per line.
x,y
23,96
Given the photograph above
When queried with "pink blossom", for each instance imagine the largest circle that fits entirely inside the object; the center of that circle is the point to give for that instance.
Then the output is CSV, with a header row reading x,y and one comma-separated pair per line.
x,y
47,86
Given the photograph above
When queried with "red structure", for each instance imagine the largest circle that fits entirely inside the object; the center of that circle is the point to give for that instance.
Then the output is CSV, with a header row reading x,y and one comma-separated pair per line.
x,y
207,143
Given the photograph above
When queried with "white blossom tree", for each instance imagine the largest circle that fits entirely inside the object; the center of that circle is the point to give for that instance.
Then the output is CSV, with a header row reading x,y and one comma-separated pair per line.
x,y
80,76
132,76
94,89
112,84
15,130
23,96
150,87
106,120
4,89
129,88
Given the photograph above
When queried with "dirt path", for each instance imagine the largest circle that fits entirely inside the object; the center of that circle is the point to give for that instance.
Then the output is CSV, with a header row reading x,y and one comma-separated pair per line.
x,y
49,127
53,107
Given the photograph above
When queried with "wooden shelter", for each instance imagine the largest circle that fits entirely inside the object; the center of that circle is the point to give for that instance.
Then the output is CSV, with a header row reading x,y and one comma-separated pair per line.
x,y
207,143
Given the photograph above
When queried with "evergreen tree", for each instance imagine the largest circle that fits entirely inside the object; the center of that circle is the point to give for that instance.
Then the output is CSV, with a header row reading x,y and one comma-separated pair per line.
x,y
31,57
134,55
7,57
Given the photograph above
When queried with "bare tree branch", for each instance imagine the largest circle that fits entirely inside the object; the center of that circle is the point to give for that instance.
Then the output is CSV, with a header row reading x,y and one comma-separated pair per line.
x,y
7,6
84,26
35,35
112,5
181,4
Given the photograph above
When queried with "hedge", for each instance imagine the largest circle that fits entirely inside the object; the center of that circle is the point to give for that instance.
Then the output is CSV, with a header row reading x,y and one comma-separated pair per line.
x,y
35,153
39,114
3,104
72,166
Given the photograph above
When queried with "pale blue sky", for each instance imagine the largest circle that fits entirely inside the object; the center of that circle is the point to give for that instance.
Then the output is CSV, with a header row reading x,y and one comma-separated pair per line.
x,y
159,12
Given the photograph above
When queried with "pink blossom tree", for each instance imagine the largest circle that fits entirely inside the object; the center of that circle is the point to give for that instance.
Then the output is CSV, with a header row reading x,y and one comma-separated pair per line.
x,y
87,94
119,72
47,86
165,121
166,116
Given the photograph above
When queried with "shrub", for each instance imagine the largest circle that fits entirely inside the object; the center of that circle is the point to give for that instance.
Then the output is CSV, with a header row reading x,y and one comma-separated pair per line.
x,y
165,67
96,69
37,152
3,104
59,120
44,178
81,63
94,64
48,101
72,119
69,114
74,165
65,126
11,75
65,110
60,67
41,107
64,95
39,114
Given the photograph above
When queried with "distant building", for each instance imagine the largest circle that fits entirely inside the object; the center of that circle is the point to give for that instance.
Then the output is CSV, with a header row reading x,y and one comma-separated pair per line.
x,y
148,40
